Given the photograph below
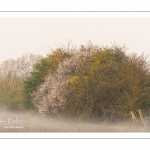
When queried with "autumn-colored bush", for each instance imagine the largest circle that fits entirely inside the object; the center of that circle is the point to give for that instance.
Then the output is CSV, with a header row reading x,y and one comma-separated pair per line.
x,y
110,85
96,83
95,90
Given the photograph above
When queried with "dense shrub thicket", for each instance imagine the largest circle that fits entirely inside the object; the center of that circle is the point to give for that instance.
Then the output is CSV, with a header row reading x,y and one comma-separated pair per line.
x,y
112,85
96,83
89,83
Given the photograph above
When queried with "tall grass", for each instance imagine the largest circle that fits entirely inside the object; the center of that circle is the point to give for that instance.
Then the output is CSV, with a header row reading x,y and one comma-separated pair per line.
x,y
32,122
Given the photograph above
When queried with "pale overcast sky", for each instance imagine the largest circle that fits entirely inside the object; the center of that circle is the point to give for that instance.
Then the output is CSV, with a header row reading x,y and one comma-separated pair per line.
x,y
34,35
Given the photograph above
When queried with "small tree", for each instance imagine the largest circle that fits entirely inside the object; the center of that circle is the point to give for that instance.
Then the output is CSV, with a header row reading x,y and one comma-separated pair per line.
x,y
50,97
41,70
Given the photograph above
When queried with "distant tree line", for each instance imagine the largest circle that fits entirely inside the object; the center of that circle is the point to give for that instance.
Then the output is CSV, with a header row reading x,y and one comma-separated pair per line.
x,y
12,74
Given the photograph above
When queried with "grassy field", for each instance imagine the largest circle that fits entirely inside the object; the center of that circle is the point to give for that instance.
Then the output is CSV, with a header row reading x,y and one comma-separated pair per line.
x,y
29,122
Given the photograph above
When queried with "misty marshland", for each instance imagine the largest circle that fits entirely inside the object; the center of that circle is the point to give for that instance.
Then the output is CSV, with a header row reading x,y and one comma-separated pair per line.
x,y
89,89
32,122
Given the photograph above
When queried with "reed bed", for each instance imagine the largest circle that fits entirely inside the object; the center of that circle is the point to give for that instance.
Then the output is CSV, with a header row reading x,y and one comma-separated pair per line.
x,y
32,122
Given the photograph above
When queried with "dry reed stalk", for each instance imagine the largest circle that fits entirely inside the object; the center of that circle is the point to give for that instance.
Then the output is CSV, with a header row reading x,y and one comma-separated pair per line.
x,y
142,119
133,117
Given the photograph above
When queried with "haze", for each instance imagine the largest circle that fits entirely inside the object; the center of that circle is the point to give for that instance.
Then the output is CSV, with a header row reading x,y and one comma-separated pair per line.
x,y
35,35
31,122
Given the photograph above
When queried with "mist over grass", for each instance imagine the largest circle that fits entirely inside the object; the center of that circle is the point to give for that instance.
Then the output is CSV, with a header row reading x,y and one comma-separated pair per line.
x,y
32,122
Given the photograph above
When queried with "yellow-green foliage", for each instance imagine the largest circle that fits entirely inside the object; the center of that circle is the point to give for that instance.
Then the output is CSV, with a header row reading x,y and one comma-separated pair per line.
x,y
56,57
109,85
73,80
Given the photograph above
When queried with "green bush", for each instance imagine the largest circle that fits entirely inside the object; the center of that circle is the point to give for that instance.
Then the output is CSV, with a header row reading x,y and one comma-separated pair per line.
x,y
41,70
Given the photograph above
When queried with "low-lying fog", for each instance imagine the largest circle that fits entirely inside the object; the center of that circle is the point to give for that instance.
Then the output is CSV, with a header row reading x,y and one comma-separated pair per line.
x,y
32,122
